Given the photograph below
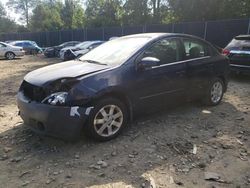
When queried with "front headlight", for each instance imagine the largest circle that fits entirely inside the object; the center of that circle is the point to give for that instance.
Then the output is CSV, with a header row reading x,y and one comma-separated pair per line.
x,y
58,98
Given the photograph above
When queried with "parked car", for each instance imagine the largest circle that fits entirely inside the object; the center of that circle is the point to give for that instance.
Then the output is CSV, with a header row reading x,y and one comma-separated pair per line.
x,y
30,47
65,53
10,52
99,92
54,50
238,52
75,53
8,41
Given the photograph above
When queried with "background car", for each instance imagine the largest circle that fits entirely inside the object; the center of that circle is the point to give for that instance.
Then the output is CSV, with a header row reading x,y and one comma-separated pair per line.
x,y
74,53
30,47
54,50
81,46
10,52
238,52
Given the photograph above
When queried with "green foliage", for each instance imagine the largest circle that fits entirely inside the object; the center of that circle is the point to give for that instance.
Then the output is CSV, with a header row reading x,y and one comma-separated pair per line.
x,y
200,10
136,12
49,15
2,10
78,18
102,13
72,14
53,15
46,17
6,24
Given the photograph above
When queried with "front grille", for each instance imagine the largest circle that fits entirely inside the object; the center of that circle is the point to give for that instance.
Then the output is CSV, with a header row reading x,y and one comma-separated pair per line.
x,y
33,92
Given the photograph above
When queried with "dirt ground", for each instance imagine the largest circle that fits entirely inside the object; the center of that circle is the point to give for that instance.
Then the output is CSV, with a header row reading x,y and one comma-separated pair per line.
x,y
180,147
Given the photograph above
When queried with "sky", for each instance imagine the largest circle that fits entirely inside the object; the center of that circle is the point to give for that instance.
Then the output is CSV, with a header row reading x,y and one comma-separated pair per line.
x,y
14,16
11,13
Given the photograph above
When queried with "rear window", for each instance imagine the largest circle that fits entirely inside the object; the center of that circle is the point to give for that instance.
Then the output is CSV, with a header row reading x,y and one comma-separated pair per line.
x,y
239,42
19,44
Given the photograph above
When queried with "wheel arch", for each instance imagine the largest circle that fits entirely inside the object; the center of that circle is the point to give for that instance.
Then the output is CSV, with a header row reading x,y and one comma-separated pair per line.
x,y
120,96
224,80
9,52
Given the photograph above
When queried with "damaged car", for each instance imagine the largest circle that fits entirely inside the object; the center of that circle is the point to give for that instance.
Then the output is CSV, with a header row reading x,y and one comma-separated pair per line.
x,y
104,89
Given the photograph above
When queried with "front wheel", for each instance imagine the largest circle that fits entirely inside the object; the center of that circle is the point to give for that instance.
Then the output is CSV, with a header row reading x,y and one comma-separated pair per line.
x,y
214,93
107,119
9,55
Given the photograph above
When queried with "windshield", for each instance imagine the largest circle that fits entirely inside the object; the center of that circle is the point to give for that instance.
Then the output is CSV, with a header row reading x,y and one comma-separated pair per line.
x,y
236,43
82,45
117,51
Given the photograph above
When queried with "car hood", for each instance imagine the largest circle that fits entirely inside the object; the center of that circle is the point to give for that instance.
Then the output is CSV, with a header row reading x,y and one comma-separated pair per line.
x,y
66,48
81,52
69,69
49,48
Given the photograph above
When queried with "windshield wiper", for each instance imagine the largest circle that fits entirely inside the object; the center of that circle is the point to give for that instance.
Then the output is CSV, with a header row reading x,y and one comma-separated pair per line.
x,y
95,62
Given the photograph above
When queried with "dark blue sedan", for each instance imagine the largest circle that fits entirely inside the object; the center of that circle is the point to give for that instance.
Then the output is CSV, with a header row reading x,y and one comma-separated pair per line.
x,y
99,92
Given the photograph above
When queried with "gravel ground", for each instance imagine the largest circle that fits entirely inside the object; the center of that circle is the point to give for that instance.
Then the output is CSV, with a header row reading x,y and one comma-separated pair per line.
x,y
187,146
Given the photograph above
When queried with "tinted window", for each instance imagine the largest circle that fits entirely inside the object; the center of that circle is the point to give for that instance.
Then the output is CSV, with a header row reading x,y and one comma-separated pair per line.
x,y
19,44
28,44
194,49
166,50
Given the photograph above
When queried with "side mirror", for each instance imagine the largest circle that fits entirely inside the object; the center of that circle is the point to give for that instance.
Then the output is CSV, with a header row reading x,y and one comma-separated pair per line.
x,y
147,63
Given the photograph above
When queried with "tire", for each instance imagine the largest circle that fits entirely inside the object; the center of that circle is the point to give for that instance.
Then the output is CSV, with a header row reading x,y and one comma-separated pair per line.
x,y
101,125
10,55
214,93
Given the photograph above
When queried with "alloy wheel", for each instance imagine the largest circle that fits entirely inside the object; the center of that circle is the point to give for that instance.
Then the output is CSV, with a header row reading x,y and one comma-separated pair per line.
x,y
216,92
108,120
10,56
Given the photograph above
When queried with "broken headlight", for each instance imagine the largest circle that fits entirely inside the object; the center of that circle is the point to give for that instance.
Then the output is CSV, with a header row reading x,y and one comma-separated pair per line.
x,y
58,98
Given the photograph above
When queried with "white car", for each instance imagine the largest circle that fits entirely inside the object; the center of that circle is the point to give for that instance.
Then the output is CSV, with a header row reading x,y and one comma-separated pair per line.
x,y
77,47
10,52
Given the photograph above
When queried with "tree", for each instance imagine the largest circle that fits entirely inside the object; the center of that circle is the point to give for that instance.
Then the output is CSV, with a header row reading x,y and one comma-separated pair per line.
x,y
103,13
46,17
201,10
6,25
136,12
2,10
23,7
72,14
78,18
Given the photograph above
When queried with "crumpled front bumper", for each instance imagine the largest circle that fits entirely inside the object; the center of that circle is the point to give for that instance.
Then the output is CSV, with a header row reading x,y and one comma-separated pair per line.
x,y
57,121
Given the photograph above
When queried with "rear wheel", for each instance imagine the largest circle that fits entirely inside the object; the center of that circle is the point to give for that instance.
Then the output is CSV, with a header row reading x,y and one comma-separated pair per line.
x,y
107,119
9,55
215,92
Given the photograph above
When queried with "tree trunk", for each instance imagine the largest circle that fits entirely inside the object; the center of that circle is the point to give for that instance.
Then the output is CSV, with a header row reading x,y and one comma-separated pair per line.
x,y
26,7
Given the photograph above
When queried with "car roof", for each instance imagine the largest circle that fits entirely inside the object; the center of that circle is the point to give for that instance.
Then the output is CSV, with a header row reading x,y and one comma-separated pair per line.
x,y
3,42
20,41
23,41
156,35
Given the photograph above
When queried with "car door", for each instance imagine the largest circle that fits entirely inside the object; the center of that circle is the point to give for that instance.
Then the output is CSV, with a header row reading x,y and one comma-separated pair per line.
x,y
165,82
2,50
200,64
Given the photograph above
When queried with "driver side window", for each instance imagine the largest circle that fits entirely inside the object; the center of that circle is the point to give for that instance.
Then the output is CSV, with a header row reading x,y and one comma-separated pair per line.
x,y
166,50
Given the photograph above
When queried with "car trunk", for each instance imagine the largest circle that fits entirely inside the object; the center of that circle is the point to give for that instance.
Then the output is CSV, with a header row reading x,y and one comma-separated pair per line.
x,y
239,58
239,50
